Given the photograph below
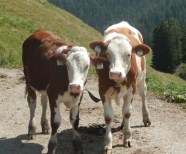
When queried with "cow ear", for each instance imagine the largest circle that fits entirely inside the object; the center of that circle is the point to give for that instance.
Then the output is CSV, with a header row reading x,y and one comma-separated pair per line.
x,y
141,50
95,60
58,59
98,46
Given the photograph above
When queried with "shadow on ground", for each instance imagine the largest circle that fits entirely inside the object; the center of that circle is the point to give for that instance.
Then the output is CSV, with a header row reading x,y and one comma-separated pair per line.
x,y
16,146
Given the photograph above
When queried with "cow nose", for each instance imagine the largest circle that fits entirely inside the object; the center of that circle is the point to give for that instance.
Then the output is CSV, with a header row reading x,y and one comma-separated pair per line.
x,y
75,88
115,75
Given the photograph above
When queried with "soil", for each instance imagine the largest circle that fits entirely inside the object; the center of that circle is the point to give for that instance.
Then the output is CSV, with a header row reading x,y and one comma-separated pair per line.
x,y
166,135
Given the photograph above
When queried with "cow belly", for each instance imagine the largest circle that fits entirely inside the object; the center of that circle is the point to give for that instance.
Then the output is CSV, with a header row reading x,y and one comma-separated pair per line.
x,y
42,92
68,100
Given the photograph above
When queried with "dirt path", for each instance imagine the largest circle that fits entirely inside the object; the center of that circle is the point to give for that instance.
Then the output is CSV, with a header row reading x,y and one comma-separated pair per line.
x,y
167,134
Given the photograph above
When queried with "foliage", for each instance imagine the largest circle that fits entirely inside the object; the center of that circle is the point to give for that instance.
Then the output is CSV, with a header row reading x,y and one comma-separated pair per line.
x,y
19,19
142,14
183,74
172,91
167,46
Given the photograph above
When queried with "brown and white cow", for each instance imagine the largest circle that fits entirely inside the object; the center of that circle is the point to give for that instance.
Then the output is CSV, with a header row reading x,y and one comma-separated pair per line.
x,y
120,65
58,71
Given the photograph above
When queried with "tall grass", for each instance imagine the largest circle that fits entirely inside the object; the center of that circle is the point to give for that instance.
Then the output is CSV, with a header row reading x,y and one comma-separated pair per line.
x,y
172,91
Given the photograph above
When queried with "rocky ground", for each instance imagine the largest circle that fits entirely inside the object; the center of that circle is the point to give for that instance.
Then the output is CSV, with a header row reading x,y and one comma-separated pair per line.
x,y
166,135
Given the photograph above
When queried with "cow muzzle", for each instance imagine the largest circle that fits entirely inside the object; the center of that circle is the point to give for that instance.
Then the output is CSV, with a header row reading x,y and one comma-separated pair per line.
x,y
75,88
116,76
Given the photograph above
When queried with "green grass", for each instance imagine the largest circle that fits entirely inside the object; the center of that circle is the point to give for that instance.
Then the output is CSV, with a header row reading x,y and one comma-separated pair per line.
x,y
20,18
171,90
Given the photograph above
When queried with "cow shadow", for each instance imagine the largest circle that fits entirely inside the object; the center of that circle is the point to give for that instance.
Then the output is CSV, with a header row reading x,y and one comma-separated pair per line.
x,y
92,139
15,145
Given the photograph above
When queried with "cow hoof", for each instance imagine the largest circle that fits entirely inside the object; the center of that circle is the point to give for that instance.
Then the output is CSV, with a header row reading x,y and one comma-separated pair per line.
x,y
31,133
45,128
107,151
127,144
147,122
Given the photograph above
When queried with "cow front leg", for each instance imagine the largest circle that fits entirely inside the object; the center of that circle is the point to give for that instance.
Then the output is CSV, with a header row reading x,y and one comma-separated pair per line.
x,y
44,121
126,110
55,123
109,116
74,119
145,112
31,99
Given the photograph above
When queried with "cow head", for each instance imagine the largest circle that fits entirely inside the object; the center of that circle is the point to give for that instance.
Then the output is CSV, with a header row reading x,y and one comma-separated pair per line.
x,y
118,51
77,62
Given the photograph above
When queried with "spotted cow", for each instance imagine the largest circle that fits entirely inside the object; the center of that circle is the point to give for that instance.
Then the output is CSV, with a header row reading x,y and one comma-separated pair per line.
x,y
121,68
58,71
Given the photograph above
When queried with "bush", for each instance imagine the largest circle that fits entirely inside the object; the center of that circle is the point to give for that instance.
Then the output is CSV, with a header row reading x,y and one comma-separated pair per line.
x,y
183,74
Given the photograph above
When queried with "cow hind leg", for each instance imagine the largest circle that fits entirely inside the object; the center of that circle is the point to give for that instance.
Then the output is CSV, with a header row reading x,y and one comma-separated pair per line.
x,y
74,119
31,99
145,112
123,123
109,116
44,121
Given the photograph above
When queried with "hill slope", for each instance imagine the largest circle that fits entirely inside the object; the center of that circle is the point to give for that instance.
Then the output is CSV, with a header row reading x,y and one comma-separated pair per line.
x,y
19,19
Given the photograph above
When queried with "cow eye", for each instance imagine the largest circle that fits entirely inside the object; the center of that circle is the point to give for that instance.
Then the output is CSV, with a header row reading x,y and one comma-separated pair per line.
x,y
129,55
85,67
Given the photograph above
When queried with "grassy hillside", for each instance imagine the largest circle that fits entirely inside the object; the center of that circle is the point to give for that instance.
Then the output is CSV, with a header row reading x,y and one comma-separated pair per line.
x,y
20,18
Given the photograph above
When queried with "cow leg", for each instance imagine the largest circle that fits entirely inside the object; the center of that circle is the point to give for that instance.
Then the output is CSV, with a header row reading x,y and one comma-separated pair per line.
x,y
123,123
74,119
145,112
44,121
31,98
55,123
126,110
109,116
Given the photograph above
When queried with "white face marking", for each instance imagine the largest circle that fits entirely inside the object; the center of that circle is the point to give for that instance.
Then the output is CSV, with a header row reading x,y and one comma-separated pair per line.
x,y
119,53
78,63
134,31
